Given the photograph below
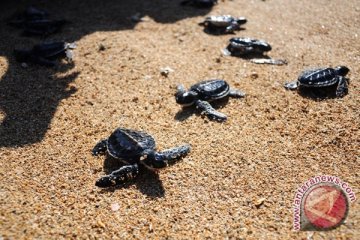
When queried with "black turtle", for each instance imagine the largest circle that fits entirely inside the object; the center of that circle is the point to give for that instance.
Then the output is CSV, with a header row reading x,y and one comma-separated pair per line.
x,y
32,13
203,92
252,49
240,46
134,147
35,21
322,77
223,24
43,54
199,3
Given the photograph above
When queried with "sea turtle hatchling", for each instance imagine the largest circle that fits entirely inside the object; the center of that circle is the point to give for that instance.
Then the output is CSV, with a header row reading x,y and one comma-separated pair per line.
x,y
240,46
251,48
43,54
199,3
203,92
35,21
223,24
322,77
133,148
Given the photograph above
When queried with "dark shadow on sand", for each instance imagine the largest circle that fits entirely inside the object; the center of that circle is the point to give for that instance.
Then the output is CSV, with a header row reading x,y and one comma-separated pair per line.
x,y
318,94
29,96
251,56
218,32
147,181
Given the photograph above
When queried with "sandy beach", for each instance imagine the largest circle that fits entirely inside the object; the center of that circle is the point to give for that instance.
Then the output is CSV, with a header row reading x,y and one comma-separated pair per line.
x,y
240,178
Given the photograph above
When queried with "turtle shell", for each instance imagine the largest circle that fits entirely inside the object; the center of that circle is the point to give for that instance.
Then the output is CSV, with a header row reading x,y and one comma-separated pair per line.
x,y
257,45
220,21
320,77
211,89
129,144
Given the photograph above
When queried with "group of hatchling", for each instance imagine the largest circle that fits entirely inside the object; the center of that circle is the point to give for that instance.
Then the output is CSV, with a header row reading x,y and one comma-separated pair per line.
x,y
134,147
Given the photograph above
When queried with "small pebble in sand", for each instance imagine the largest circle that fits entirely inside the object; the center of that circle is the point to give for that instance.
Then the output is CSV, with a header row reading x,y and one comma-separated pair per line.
x,y
166,71
100,224
101,47
254,75
115,207
259,202
147,77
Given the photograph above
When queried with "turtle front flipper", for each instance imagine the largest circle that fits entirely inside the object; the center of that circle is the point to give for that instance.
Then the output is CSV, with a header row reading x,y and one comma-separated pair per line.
x,y
342,87
291,85
100,147
210,112
173,153
270,61
163,158
122,175
235,93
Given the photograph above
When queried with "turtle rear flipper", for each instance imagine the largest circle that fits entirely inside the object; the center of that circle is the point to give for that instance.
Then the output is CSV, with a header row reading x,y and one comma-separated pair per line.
x,y
342,87
210,112
226,51
291,85
203,23
235,93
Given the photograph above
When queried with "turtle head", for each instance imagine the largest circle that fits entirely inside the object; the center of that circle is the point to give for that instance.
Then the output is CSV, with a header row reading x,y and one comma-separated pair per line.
x,y
342,70
185,98
264,46
241,20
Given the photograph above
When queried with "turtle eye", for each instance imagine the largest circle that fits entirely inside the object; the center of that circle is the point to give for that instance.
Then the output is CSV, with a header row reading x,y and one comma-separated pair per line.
x,y
186,98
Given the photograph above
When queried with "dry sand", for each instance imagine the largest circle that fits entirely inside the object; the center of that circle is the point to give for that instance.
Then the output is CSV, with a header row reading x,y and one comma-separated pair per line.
x,y
273,141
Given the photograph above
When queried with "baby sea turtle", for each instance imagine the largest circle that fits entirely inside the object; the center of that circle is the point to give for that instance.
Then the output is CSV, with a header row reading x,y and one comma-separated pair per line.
x,y
251,48
199,3
33,13
35,21
203,92
223,24
43,54
322,77
240,46
133,148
